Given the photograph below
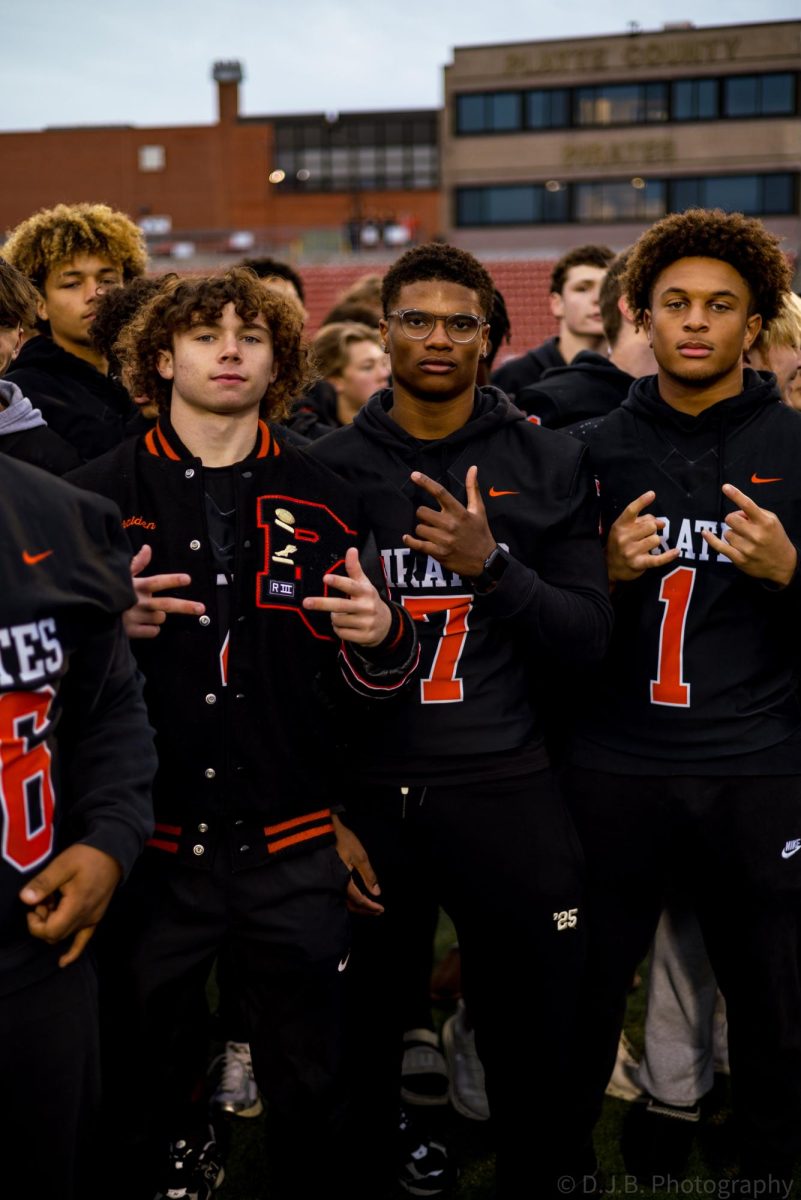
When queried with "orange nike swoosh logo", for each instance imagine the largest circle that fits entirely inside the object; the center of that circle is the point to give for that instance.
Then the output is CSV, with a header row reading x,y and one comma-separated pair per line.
x,y
759,479
32,559
493,493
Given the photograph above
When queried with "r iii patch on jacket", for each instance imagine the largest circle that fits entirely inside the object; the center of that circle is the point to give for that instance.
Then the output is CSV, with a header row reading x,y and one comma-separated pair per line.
x,y
298,538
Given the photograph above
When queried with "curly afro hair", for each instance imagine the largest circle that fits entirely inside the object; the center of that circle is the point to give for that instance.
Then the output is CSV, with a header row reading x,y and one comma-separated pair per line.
x,y
181,303
57,235
116,308
742,242
437,261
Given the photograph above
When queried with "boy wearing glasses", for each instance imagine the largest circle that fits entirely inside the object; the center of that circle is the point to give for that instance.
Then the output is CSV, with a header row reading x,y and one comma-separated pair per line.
x,y
487,527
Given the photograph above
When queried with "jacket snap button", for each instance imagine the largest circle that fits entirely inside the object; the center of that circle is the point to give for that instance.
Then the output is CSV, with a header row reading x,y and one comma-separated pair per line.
x,y
203,827
189,472
194,544
204,620
209,772
211,698
198,850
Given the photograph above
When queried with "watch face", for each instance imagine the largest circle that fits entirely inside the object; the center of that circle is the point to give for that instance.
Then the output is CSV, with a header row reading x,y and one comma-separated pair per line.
x,y
496,563
494,566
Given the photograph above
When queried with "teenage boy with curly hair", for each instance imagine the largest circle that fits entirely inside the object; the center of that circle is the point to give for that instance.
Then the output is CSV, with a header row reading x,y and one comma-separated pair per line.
x,y
244,685
72,254
687,761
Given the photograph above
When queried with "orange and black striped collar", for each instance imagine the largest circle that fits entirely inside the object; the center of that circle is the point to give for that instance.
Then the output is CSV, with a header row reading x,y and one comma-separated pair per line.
x,y
163,442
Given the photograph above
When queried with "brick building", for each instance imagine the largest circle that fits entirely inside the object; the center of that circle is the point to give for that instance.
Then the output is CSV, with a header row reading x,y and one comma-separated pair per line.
x,y
301,185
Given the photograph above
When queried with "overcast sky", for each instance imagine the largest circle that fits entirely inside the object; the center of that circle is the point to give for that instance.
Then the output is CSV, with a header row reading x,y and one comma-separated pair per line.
x,y
147,62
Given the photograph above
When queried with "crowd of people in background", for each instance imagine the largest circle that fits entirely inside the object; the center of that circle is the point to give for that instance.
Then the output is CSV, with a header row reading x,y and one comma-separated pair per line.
x,y
322,632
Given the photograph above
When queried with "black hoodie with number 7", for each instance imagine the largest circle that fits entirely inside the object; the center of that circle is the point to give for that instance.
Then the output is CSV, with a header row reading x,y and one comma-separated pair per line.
x,y
475,711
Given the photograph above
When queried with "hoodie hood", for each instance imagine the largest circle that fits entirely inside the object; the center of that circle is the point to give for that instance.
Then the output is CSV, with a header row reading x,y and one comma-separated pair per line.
x,y
43,354
591,364
589,386
693,434
17,414
759,390
491,410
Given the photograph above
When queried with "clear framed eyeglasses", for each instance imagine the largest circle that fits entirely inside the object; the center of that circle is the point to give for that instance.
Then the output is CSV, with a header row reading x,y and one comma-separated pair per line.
x,y
418,324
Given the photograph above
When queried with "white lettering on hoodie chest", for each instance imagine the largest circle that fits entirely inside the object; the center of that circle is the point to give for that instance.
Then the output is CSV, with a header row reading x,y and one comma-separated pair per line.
x,y
406,569
688,541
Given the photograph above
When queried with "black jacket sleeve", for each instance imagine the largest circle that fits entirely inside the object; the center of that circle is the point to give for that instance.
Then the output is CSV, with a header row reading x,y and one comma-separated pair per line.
x,y
106,747
381,671
562,607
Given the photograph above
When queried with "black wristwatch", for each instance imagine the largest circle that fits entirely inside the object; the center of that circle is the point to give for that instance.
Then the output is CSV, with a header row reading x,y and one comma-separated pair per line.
x,y
494,566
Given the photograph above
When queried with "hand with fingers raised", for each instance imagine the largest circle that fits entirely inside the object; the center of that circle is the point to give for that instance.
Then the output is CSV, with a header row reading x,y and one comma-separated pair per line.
x,y
755,541
456,535
145,618
632,538
359,615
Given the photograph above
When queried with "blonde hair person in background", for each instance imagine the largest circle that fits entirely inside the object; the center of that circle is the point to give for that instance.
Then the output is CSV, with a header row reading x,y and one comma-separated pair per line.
x,y
778,349
352,359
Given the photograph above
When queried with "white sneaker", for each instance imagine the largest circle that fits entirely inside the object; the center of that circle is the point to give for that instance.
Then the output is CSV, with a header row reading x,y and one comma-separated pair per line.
x,y
467,1091
424,1075
236,1092
623,1081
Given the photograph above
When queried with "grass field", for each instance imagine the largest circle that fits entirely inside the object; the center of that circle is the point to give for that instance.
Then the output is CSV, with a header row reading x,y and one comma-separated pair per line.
x,y
470,1141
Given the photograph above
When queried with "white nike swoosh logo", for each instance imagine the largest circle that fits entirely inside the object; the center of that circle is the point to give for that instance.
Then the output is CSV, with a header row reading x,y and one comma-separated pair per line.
x,y
789,853
344,962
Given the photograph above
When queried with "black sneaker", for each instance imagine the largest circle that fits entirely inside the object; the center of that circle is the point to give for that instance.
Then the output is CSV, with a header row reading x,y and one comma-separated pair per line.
x,y
657,1140
425,1168
193,1173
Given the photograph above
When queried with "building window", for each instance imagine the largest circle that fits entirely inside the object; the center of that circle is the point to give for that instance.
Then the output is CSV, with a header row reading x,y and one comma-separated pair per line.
x,y
547,108
694,99
620,200
772,95
503,111
358,153
489,112
754,195
152,158
759,96
637,200
620,104
778,95
511,204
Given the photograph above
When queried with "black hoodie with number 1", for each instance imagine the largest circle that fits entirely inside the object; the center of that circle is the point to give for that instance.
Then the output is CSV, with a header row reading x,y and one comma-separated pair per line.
x,y
702,675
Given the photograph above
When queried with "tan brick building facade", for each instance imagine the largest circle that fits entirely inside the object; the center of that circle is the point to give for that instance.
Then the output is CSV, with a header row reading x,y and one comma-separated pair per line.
x,y
546,145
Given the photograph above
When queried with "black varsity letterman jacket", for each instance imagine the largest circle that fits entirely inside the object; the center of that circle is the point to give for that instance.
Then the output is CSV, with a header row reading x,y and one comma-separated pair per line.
x,y
250,719
76,751
483,658
703,667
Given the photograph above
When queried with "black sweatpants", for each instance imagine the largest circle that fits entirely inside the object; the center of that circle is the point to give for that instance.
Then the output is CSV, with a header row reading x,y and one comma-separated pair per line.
x,y
731,843
286,931
50,1073
505,864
